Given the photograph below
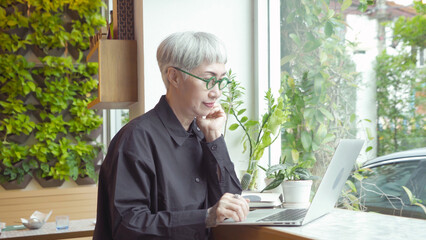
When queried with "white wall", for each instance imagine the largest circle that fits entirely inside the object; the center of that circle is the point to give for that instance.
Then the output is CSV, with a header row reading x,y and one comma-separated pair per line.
x,y
231,21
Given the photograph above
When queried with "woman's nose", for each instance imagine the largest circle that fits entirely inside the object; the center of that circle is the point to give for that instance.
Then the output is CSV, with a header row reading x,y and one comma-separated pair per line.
x,y
215,92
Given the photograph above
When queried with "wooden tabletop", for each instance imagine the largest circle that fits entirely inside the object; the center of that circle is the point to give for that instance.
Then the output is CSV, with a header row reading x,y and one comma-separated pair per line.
x,y
77,229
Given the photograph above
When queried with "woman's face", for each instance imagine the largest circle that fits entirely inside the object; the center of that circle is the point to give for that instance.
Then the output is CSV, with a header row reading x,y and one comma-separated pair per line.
x,y
197,100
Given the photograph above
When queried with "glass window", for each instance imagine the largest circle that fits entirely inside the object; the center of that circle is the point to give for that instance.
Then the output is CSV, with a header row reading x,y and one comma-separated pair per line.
x,y
114,120
349,71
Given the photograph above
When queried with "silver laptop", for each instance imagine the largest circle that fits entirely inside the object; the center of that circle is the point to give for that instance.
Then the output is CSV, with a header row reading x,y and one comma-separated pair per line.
x,y
325,198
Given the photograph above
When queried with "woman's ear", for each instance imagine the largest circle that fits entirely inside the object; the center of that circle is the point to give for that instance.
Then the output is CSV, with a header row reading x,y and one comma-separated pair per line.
x,y
173,77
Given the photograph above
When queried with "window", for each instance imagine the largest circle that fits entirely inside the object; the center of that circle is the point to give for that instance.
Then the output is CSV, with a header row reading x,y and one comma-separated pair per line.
x,y
329,62
114,120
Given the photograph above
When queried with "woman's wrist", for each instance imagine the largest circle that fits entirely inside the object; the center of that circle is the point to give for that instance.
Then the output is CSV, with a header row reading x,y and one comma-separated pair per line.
x,y
211,218
212,135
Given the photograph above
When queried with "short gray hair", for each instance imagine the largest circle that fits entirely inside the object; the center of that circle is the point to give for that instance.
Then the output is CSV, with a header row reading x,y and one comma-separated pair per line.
x,y
188,50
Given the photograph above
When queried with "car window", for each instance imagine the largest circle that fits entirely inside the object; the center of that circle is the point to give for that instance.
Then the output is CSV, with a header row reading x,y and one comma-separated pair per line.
x,y
421,182
381,191
386,181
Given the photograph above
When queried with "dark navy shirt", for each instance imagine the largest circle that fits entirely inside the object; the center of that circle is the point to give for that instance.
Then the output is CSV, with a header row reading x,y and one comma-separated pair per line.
x,y
158,179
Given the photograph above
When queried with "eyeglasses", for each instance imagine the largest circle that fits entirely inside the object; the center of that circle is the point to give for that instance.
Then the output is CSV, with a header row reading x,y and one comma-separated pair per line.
x,y
209,82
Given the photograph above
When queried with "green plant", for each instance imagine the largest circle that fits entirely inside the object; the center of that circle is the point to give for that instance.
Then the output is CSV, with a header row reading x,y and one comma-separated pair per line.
x,y
13,173
400,87
413,199
260,134
14,159
16,20
74,160
85,119
350,196
86,154
50,127
57,74
47,101
319,82
59,165
287,170
411,31
63,159
16,125
16,79
400,126
83,28
48,32
88,11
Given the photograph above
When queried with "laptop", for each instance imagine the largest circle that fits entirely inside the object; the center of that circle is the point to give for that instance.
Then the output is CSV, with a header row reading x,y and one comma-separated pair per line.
x,y
325,198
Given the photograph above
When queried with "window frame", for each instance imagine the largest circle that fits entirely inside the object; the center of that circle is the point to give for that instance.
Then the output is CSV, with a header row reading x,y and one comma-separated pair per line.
x,y
267,65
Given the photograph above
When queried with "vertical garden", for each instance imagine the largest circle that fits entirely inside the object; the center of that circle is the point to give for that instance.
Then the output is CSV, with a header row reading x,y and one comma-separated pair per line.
x,y
46,130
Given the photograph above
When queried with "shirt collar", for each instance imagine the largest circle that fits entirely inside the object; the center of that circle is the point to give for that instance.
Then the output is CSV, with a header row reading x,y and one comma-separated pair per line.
x,y
172,124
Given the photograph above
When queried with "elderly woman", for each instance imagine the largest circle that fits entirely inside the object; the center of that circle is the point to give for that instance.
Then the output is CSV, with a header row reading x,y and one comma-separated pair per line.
x,y
167,174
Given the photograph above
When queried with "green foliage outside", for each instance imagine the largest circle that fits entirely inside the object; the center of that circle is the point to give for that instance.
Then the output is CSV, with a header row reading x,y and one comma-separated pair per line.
x,y
43,104
400,124
401,96
412,31
400,100
320,82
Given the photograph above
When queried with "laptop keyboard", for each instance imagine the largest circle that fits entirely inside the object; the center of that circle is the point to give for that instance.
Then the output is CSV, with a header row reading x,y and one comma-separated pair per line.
x,y
287,215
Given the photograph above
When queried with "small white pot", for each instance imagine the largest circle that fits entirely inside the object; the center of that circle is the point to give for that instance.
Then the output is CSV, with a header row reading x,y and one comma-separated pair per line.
x,y
297,191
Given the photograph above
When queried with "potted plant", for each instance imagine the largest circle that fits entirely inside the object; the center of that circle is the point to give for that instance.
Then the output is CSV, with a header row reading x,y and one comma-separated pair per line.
x,y
15,84
88,156
272,173
52,157
15,124
258,134
15,165
15,26
86,123
48,34
295,179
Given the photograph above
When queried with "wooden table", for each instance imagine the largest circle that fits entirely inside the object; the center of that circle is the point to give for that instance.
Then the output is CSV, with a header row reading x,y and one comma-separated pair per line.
x,y
77,229
339,224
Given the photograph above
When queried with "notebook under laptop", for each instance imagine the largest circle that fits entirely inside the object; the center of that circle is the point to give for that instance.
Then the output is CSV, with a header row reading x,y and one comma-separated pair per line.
x,y
325,198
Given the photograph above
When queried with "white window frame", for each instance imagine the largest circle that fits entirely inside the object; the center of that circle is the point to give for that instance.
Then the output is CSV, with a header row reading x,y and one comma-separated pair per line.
x,y
112,124
267,64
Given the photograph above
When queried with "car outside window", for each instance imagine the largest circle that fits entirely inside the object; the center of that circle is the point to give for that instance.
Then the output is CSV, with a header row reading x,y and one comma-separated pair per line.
x,y
382,190
387,180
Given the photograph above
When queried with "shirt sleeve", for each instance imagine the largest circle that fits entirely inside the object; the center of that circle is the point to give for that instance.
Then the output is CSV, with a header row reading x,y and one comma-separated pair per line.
x,y
128,179
217,159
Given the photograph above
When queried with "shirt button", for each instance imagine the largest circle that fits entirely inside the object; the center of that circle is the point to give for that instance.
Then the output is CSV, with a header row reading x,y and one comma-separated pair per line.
x,y
214,147
197,180
198,129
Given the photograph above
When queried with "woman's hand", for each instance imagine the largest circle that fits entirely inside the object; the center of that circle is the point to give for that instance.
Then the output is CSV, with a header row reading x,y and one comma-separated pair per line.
x,y
229,206
212,124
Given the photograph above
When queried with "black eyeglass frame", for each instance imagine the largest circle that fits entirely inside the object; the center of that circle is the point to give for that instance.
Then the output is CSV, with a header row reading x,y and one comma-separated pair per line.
x,y
207,81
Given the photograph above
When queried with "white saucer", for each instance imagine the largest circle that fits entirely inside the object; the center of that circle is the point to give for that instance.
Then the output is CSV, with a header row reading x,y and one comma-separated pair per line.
x,y
296,205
